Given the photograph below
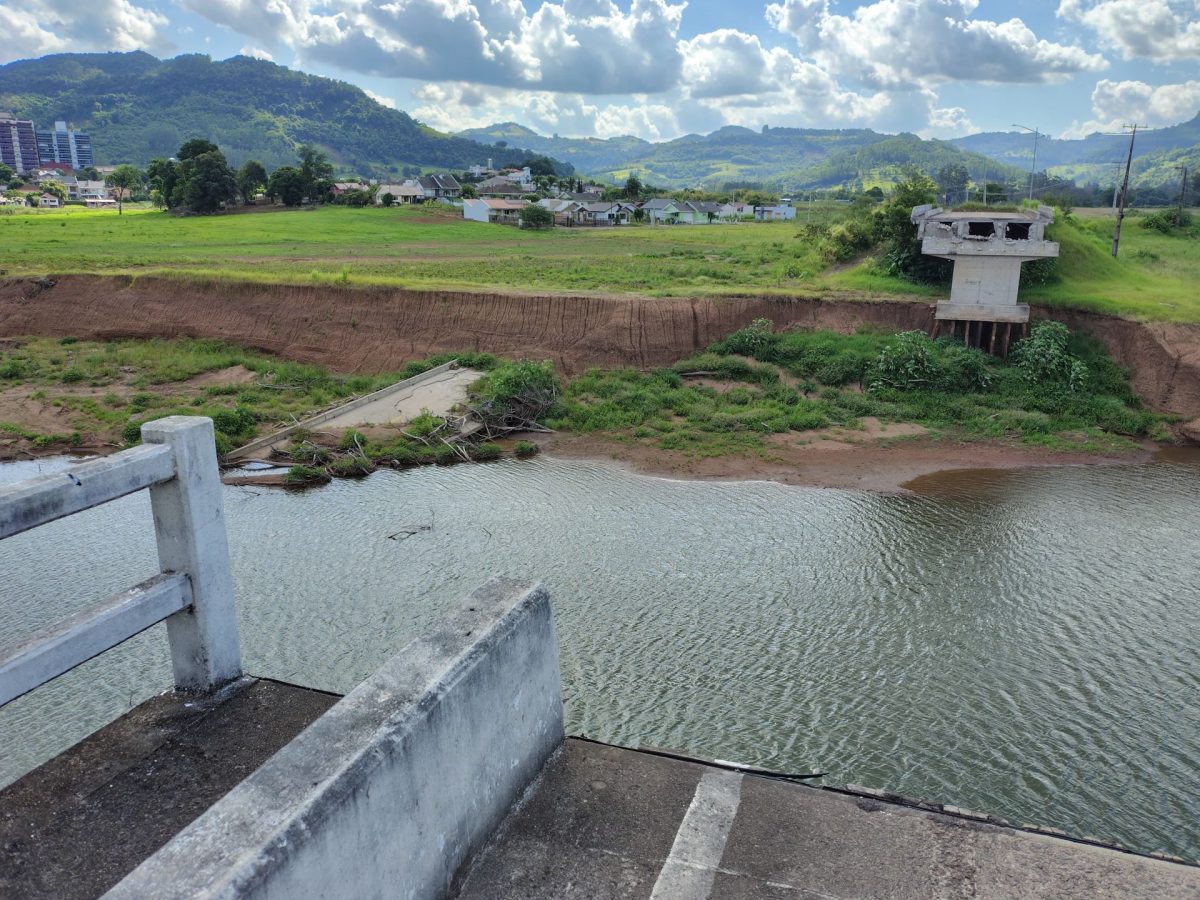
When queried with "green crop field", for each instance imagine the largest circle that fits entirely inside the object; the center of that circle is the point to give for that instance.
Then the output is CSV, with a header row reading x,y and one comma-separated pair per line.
x,y
1155,277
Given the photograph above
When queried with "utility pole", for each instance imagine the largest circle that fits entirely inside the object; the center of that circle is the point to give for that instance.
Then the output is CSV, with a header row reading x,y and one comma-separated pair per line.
x,y
1124,191
1182,194
1032,166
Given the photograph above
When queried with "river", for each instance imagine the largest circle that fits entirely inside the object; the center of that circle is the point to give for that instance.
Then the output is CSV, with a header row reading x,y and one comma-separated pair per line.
x,y
1021,643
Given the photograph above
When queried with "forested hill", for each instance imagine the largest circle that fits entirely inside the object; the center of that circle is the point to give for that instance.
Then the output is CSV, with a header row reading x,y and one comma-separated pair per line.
x,y
136,107
782,158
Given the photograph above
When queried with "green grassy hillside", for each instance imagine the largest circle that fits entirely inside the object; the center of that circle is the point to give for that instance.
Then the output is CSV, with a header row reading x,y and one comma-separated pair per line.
x,y
136,107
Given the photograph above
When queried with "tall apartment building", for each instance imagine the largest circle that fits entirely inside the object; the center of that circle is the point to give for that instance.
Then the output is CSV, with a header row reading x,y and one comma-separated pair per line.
x,y
18,144
65,146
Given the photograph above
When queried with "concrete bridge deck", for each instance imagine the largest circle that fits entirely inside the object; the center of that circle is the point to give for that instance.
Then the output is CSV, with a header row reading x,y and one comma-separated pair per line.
x,y
600,822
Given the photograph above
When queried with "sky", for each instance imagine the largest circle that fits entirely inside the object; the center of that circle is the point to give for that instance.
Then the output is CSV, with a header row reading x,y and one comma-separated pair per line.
x,y
659,69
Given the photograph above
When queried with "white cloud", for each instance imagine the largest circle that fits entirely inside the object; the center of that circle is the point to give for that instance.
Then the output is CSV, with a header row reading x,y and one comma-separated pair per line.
x,y
584,46
1160,30
24,36
380,99
32,27
908,43
1117,103
256,53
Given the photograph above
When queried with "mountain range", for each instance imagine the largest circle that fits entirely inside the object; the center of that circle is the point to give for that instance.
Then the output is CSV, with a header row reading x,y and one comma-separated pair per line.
x,y
136,107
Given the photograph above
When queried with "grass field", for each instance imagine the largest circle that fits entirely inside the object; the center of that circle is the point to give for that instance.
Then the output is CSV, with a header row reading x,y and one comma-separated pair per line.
x,y
1155,278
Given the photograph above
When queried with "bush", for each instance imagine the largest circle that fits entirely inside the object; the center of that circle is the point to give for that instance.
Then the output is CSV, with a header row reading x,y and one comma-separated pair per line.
x,y
525,449
351,467
751,340
1043,358
300,475
1164,221
908,363
485,452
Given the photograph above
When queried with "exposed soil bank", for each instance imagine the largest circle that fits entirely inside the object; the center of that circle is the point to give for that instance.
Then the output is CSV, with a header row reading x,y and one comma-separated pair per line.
x,y
378,329
880,467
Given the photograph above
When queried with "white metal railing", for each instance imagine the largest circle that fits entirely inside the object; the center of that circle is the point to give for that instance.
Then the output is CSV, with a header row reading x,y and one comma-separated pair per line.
x,y
177,461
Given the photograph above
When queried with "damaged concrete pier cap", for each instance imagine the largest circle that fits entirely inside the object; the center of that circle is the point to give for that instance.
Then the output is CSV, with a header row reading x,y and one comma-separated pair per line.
x,y
987,248
399,783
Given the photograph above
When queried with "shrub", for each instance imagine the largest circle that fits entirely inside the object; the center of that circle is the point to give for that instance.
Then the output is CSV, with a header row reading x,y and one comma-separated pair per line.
x,y
72,376
1164,221
485,452
525,449
1043,358
751,340
353,466
300,475
907,363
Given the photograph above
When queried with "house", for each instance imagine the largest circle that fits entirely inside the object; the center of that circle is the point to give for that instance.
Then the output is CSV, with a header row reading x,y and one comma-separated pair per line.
x,y
565,212
704,212
49,201
341,188
584,196
85,190
734,212
661,211
601,213
522,177
99,202
501,188
440,187
407,192
494,210
482,171
779,213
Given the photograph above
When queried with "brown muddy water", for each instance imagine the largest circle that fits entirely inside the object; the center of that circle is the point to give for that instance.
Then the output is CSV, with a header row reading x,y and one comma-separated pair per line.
x,y
1018,642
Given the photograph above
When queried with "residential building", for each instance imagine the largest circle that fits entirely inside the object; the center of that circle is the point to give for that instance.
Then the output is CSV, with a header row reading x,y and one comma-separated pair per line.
x,y
340,188
500,187
778,213
407,192
99,202
661,211
440,187
88,190
482,171
494,210
18,144
734,212
62,145
522,177
602,213
49,201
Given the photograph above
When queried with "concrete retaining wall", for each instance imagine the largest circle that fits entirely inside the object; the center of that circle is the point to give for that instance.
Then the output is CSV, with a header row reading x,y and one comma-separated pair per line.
x,y
394,788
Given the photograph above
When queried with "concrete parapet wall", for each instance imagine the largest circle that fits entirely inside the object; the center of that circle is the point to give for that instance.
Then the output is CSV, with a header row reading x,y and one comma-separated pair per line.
x,y
389,792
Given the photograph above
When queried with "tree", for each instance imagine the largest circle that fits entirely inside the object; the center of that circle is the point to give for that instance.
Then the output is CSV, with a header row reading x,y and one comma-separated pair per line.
x,y
251,178
88,173
286,184
898,235
952,180
388,199
195,147
633,187
535,216
58,190
6,174
205,182
124,179
470,192
539,165
316,170
161,175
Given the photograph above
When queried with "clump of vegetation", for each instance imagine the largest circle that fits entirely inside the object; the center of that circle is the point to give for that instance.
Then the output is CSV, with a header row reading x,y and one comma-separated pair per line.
x,y
719,403
306,475
1044,359
525,449
1168,221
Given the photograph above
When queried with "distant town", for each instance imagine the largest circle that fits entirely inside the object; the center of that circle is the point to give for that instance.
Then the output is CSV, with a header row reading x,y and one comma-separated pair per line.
x,y
52,168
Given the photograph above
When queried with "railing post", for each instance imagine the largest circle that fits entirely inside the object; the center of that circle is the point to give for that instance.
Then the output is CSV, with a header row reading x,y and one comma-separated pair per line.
x,y
189,525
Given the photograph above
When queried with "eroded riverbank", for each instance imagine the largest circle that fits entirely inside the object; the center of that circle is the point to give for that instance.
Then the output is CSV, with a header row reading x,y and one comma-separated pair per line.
x,y
367,330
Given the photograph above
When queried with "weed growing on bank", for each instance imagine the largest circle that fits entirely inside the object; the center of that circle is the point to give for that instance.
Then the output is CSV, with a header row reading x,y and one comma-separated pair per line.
x,y
1056,391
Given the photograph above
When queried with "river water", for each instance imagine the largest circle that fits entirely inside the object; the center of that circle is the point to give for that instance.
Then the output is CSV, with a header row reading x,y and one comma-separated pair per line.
x,y
1022,643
